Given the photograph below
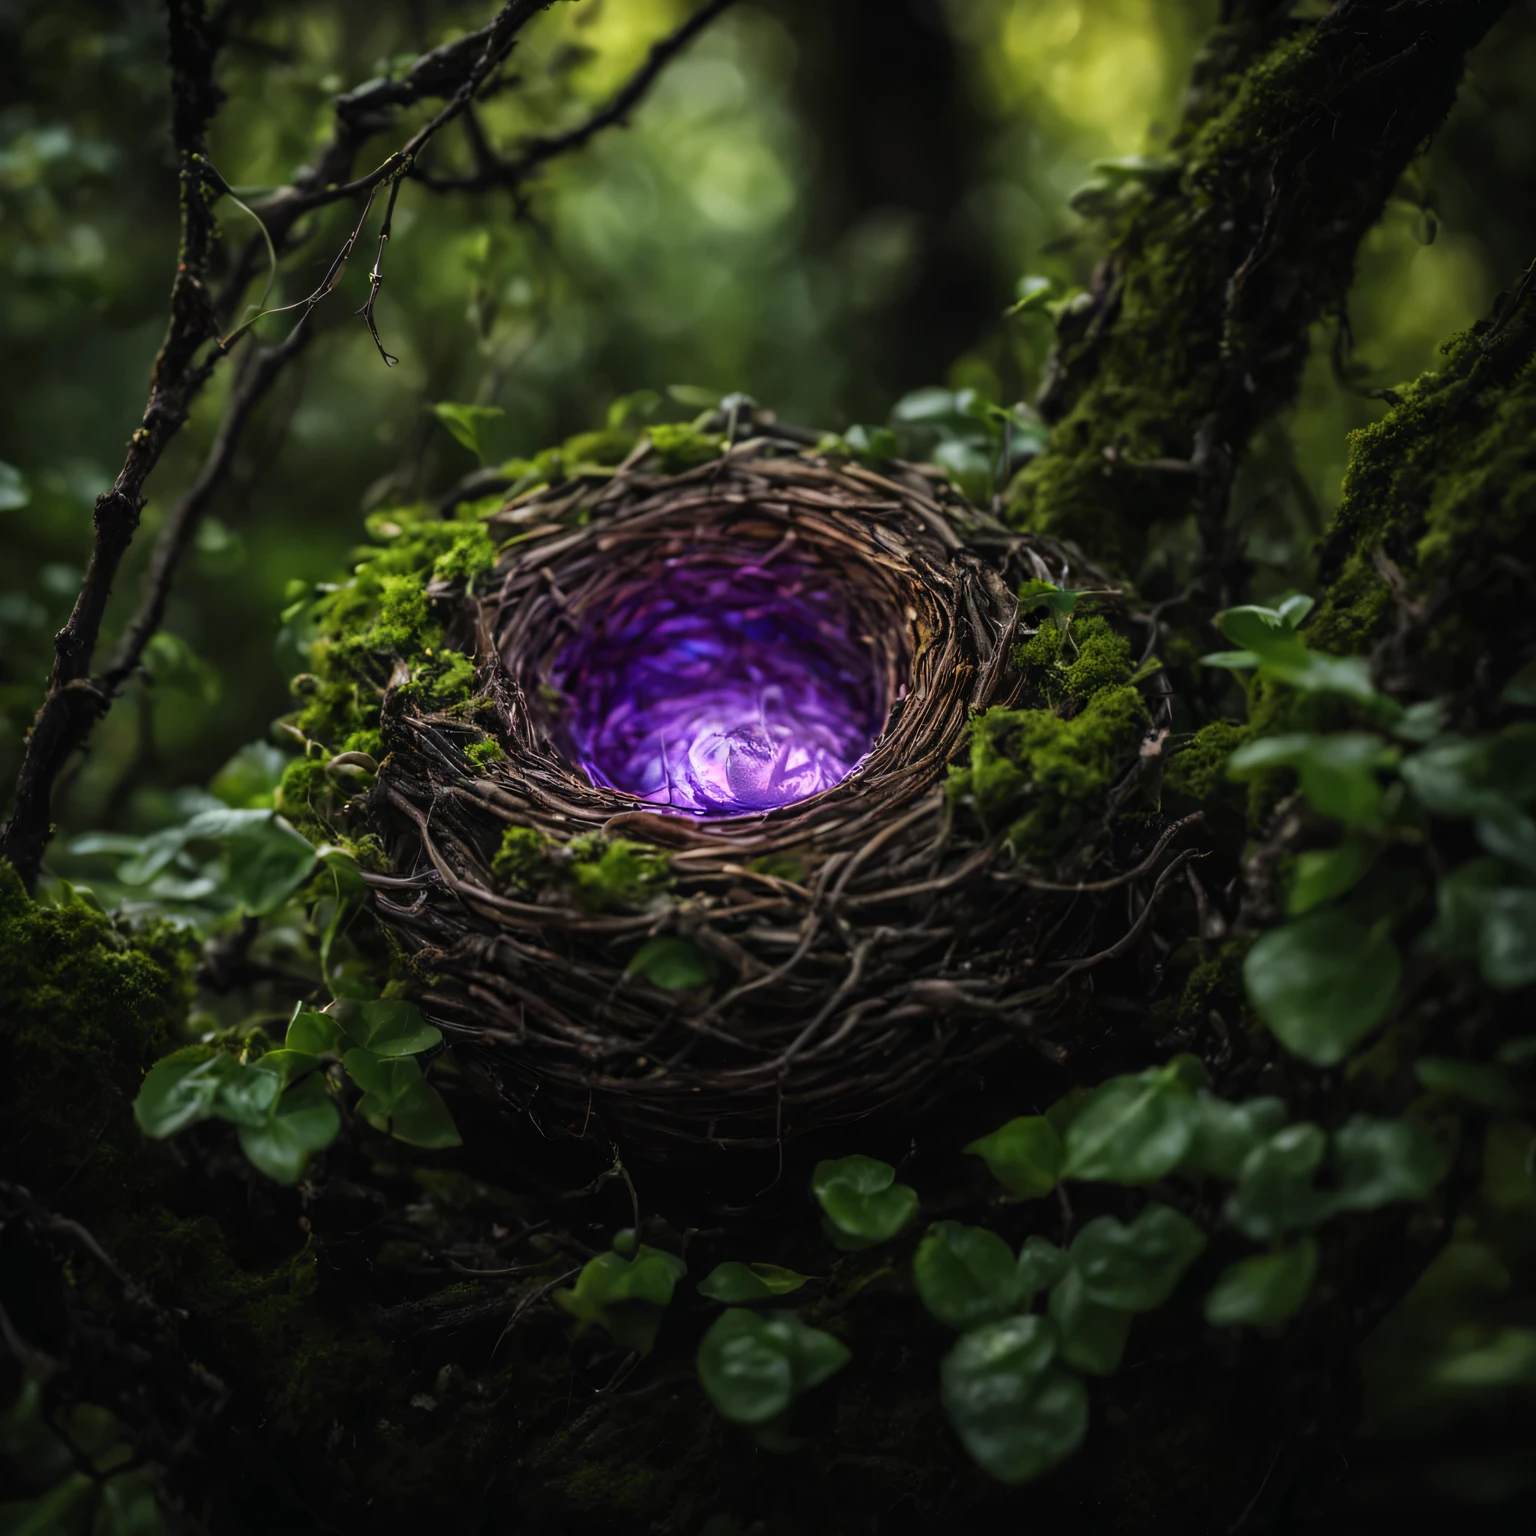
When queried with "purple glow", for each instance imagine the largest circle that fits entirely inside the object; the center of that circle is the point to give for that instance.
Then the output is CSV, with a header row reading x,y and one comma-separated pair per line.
x,y
714,689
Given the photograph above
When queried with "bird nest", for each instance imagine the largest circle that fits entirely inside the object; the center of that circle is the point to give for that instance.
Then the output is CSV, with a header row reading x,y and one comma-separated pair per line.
x,y
663,964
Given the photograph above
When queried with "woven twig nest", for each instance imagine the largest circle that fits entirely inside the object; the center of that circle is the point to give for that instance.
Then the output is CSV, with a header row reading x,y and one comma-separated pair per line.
x,y
860,950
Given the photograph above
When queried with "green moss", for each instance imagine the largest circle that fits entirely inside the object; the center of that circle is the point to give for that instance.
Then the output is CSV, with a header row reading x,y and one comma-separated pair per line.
x,y
518,859
681,447
1045,778
1444,486
1136,377
89,1005
1199,769
483,753
612,872
1064,667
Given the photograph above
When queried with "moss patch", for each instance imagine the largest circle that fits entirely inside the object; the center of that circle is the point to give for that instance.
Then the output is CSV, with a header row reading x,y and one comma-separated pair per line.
x,y
1046,778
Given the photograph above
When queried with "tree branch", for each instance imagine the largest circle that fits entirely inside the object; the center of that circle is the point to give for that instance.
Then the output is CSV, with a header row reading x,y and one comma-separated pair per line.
x,y
74,701
512,172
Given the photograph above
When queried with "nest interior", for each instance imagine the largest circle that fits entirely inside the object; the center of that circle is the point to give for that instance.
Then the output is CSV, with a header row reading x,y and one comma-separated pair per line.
x,y
858,950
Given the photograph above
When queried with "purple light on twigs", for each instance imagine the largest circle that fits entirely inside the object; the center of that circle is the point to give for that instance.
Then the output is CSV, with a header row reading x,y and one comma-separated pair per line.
x,y
718,689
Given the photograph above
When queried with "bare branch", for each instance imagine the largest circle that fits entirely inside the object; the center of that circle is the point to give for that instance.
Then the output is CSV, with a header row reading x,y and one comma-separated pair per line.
x,y
74,701
535,152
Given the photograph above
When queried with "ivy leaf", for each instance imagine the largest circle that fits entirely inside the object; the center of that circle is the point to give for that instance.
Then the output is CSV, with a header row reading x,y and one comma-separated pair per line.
x,y
1380,1161
1484,1083
672,964
1275,1193
1507,940
267,859
1135,1268
754,1367
1131,1129
1461,776
397,1099
1265,1289
464,422
1058,602
1324,874
1024,1156
1322,983
1016,1411
1041,1265
317,1034
1226,1133
863,1203
1092,1335
965,1276
732,1282
179,1092
385,1026
624,1294
303,1121
1337,772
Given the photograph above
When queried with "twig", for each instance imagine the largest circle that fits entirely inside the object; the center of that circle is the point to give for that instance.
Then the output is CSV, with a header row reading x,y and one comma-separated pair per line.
x,y
536,151
74,701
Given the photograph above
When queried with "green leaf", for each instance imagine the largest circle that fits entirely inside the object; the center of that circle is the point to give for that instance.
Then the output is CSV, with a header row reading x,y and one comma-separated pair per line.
x,y
1282,653
351,896
753,1367
872,444
1058,602
314,1033
1232,661
1024,1156
1507,940
1323,875
1510,834
1380,1161
385,1026
1265,1289
289,1065
1041,1265
1132,1129
303,1121
1322,983
398,1100
1135,1268
1457,776
1226,1133
1487,1084
863,1203
13,489
1092,1335
1461,902
624,1295
464,422
1017,1413
1337,773
965,1276
732,1282
179,1092
1508,1359
267,859
671,964
1275,1193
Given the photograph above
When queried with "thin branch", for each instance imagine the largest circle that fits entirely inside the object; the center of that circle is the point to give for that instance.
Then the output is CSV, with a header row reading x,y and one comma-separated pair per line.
x,y
537,151
74,701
